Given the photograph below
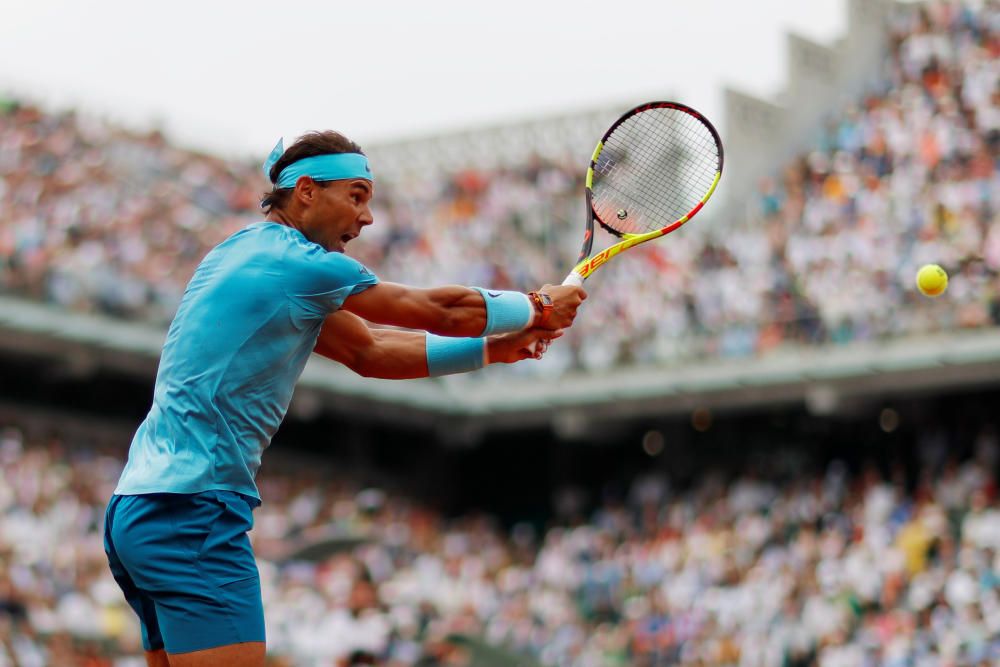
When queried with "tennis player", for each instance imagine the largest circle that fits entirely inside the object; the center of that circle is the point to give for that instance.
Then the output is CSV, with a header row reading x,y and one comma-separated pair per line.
x,y
257,306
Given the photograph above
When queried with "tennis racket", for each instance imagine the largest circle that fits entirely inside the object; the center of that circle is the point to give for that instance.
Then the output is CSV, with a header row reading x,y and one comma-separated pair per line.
x,y
651,172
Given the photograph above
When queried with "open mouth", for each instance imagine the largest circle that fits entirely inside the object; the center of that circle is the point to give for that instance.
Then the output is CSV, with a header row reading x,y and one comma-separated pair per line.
x,y
345,238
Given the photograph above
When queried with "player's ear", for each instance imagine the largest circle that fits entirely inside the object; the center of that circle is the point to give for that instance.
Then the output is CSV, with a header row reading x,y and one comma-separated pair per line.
x,y
305,189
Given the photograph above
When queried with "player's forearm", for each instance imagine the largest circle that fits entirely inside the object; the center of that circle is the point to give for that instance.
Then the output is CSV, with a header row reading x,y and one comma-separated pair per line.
x,y
453,311
456,311
394,355
448,311
399,355
466,312
404,355
481,312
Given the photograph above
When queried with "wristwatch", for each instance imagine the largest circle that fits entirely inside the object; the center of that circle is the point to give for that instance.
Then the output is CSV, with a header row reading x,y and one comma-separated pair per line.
x,y
543,304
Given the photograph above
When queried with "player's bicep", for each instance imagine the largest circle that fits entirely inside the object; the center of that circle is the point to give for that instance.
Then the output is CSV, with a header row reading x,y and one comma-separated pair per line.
x,y
377,353
396,305
345,338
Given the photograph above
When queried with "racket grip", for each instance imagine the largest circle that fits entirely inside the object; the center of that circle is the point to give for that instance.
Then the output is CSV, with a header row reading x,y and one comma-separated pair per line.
x,y
573,278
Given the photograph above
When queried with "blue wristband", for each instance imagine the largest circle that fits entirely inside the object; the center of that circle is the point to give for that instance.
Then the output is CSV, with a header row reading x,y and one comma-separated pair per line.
x,y
506,311
453,355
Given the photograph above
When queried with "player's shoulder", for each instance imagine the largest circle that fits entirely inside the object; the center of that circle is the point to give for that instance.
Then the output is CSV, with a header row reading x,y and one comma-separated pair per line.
x,y
270,232
272,239
303,261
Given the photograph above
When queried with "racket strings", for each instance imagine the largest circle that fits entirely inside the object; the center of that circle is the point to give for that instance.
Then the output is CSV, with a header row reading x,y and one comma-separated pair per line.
x,y
654,168
658,182
684,139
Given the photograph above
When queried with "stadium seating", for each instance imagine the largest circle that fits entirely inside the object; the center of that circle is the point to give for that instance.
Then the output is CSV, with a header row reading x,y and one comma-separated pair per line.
x,y
785,566
97,218
773,566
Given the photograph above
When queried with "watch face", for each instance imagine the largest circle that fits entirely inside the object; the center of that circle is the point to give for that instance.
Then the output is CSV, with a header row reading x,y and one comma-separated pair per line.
x,y
546,299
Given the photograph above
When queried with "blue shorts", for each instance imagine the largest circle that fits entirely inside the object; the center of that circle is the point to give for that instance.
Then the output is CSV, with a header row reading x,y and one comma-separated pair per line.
x,y
186,567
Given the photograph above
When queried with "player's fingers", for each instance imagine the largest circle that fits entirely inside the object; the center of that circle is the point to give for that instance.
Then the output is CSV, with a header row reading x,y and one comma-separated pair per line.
x,y
540,333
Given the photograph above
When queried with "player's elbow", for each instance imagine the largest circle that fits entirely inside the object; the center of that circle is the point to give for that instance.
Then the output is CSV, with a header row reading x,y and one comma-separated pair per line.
x,y
351,357
359,363
364,368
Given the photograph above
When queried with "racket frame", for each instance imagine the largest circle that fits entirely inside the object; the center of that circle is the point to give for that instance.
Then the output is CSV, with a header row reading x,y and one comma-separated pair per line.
x,y
587,264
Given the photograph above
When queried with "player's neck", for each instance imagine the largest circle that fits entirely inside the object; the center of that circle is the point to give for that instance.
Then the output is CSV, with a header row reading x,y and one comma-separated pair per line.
x,y
282,218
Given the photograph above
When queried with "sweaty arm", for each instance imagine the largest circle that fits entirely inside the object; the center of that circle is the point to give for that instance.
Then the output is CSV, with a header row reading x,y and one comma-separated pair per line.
x,y
400,355
453,310
447,311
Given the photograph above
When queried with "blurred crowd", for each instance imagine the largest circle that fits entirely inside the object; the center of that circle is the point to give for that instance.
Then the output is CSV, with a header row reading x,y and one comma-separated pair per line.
x,y
98,218
765,567
768,566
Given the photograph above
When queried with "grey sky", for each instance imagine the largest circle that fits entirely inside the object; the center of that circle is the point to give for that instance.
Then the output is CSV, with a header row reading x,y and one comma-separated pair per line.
x,y
233,76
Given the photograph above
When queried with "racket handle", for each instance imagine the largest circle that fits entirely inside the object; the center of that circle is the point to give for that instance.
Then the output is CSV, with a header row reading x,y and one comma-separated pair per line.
x,y
573,278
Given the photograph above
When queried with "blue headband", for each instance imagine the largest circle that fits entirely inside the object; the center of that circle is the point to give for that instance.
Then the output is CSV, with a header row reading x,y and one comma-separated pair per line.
x,y
330,167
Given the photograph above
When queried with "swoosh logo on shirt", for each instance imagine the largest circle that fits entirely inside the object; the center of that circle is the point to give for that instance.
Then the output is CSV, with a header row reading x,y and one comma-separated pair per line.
x,y
494,294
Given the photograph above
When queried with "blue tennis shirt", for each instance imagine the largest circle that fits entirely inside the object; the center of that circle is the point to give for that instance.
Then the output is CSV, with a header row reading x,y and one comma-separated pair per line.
x,y
244,329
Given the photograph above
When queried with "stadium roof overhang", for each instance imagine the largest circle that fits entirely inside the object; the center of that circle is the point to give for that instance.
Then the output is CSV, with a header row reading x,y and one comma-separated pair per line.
x,y
823,379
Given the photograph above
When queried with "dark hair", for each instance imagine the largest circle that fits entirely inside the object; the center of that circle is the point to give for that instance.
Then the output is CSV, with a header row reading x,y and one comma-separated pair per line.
x,y
308,145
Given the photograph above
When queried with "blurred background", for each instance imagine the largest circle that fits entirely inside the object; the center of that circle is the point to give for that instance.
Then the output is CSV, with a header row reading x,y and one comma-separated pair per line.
x,y
760,445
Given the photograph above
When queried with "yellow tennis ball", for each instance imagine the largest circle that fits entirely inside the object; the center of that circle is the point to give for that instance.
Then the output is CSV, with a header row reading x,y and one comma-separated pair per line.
x,y
932,280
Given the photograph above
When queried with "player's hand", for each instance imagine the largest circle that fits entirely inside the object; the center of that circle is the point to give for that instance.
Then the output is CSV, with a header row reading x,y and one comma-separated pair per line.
x,y
527,344
565,301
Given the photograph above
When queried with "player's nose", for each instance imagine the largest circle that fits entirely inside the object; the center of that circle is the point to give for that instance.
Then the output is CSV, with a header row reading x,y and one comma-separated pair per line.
x,y
366,218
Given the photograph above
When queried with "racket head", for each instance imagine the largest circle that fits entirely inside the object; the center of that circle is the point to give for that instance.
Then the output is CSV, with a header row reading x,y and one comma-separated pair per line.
x,y
653,170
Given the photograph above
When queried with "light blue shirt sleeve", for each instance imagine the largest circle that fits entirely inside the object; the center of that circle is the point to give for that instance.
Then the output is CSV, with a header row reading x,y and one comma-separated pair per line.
x,y
318,281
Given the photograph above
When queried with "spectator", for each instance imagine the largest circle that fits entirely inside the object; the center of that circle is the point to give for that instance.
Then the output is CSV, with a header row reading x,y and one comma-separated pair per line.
x,y
771,567
100,219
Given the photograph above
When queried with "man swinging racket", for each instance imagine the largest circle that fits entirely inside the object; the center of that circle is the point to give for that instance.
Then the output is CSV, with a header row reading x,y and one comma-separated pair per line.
x,y
257,306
